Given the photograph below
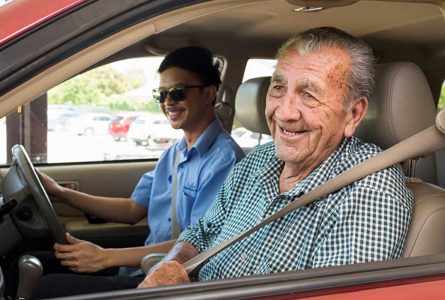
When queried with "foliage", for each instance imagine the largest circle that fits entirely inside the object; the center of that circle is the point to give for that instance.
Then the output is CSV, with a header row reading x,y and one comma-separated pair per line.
x,y
152,107
442,98
132,103
94,88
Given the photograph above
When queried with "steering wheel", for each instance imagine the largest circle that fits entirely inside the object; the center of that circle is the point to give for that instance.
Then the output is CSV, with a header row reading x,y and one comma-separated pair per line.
x,y
39,194
2,284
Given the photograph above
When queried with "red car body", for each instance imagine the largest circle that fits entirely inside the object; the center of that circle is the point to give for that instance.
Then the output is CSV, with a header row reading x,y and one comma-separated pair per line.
x,y
15,23
119,126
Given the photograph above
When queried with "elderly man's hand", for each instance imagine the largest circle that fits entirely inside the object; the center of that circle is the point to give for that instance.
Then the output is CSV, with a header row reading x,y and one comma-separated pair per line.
x,y
168,273
80,256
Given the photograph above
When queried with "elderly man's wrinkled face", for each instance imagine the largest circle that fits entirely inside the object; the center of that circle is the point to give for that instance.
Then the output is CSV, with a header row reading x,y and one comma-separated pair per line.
x,y
305,106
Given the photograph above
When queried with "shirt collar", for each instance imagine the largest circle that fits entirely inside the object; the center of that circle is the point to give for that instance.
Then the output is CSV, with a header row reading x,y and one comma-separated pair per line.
x,y
270,173
324,172
204,141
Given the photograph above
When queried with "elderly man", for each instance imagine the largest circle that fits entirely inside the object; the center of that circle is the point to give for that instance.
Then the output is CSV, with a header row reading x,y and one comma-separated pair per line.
x,y
317,97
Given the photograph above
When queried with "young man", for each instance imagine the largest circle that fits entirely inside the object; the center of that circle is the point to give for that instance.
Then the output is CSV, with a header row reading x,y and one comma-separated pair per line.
x,y
189,81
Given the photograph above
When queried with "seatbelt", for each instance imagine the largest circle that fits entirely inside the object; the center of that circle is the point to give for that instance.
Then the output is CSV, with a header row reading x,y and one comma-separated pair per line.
x,y
174,222
151,259
421,144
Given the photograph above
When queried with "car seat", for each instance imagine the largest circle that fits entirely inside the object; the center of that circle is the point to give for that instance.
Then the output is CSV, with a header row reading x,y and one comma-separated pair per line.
x,y
401,106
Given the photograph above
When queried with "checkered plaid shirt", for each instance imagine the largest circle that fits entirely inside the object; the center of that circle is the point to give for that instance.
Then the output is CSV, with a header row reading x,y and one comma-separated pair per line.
x,y
365,221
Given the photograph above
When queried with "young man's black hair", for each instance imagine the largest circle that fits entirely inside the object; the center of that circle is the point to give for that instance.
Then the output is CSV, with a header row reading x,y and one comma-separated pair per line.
x,y
198,60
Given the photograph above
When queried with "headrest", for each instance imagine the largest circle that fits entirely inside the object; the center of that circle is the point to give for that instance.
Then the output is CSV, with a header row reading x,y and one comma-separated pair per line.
x,y
250,104
402,105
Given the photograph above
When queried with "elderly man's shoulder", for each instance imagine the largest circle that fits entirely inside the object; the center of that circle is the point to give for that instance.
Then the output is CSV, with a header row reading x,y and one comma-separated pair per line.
x,y
354,151
389,179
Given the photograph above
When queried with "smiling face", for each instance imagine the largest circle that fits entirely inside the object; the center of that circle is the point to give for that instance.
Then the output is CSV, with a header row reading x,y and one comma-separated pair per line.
x,y
195,112
305,106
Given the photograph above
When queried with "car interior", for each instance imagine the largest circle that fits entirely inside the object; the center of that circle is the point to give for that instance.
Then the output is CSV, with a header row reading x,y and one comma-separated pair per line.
x,y
408,38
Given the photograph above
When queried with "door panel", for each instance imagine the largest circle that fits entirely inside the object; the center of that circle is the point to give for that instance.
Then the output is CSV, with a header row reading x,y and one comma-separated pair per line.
x,y
105,179
109,234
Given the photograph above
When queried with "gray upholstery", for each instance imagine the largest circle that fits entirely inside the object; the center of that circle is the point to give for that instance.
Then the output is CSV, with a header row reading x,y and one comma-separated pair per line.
x,y
250,104
401,106
427,228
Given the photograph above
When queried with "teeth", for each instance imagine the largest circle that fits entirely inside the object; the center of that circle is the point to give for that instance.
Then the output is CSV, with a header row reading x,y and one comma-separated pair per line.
x,y
173,113
290,133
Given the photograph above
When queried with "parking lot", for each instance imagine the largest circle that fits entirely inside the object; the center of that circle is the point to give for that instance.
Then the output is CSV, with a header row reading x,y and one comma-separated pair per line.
x,y
67,147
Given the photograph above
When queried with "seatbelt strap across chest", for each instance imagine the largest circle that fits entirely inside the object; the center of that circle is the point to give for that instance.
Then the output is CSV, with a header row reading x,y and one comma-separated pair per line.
x,y
174,219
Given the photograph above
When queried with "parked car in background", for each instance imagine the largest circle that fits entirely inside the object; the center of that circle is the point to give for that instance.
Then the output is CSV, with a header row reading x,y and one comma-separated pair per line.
x,y
58,115
120,124
153,129
248,139
89,124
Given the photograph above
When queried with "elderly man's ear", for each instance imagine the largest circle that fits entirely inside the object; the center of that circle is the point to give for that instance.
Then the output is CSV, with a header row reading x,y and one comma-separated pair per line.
x,y
355,115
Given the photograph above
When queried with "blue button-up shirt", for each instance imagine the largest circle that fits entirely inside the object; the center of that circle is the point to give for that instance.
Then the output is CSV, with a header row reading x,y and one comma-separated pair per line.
x,y
201,172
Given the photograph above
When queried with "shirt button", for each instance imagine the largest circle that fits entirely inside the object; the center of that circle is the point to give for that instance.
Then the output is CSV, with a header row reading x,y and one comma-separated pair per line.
x,y
169,219
243,256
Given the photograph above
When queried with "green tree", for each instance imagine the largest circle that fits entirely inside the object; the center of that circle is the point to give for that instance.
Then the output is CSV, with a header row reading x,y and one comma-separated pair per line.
x,y
93,87
441,103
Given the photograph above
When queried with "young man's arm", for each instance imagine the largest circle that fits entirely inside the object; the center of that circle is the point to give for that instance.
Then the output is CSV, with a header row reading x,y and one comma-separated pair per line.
x,y
114,209
83,256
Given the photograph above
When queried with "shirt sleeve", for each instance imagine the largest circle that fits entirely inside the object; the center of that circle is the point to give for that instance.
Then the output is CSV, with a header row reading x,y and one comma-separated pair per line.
x,y
369,225
142,191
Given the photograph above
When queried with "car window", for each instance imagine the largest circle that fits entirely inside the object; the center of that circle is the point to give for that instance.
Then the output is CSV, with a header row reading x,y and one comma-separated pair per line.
x,y
255,67
89,117
259,67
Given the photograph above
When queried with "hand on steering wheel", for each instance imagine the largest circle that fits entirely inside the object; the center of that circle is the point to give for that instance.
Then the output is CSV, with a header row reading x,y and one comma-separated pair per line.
x,y
38,193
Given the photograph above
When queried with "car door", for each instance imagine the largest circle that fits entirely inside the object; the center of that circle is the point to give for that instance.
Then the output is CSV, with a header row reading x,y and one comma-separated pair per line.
x,y
107,179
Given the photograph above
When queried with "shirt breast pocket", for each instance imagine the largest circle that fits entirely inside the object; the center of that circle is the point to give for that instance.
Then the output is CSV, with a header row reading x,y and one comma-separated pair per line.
x,y
190,191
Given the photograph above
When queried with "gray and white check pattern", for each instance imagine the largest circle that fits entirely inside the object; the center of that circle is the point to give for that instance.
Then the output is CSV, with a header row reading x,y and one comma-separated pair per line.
x,y
365,221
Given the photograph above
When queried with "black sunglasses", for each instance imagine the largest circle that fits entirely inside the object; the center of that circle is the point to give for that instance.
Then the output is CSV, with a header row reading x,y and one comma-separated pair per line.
x,y
176,92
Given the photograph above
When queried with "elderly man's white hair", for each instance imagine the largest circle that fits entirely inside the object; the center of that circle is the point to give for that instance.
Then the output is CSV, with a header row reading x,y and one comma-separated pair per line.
x,y
361,80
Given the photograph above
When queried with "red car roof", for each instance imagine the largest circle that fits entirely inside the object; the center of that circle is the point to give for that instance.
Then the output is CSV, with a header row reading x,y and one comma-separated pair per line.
x,y
19,16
